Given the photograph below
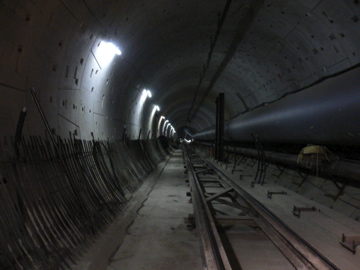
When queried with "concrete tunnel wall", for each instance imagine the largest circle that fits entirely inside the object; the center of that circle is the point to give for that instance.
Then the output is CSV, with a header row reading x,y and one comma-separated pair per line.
x,y
185,52
81,88
263,50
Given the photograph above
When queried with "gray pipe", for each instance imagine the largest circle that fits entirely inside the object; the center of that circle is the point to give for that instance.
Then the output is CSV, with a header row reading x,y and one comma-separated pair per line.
x,y
327,113
343,169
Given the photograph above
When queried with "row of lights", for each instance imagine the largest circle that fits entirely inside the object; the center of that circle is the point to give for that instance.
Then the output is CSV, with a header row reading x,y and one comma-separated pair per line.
x,y
147,94
166,125
108,50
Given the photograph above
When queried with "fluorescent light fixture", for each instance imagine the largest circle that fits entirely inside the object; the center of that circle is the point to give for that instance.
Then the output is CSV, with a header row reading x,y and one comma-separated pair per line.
x,y
113,48
109,47
106,52
146,94
159,124
165,126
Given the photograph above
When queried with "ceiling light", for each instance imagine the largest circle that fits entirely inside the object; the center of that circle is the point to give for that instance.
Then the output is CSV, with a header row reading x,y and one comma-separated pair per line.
x,y
146,93
106,52
109,48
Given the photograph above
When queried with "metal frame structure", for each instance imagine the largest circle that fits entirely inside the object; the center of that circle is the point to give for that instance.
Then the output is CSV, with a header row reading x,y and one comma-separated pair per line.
x,y
203,177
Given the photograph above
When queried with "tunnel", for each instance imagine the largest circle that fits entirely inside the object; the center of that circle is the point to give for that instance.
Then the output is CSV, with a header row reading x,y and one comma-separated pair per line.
x,y
98,98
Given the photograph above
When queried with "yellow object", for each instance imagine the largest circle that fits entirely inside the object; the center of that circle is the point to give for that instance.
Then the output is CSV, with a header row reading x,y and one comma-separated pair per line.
x,y
315,153
314,149
318,152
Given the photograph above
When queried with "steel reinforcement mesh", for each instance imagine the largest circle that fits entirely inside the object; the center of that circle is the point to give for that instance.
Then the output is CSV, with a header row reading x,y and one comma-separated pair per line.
x,y
56,199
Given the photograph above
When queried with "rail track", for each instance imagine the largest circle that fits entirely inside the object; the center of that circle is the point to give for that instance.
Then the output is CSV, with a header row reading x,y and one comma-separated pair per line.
x,y
211,188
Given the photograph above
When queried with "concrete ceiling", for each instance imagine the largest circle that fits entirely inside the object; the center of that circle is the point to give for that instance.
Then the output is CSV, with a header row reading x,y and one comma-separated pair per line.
x,y
185,52
263,50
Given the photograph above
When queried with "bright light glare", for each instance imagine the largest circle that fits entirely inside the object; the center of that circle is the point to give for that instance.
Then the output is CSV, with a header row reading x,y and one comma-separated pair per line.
x,y
106,53
146,94
159,124
110,47
157,108
165,126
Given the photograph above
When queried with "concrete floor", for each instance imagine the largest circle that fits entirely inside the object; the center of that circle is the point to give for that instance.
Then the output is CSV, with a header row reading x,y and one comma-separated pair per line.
x,y
158,238
151,234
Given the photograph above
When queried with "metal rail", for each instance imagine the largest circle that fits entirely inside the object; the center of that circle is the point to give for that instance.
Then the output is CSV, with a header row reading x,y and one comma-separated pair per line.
x,y
297,251
213,250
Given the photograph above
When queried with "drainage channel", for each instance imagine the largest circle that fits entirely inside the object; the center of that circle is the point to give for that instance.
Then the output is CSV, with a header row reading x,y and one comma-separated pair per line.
x,y
219,202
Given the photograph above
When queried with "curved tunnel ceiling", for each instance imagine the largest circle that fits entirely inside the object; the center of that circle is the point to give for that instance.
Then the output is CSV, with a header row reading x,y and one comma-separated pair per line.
x,y
185,52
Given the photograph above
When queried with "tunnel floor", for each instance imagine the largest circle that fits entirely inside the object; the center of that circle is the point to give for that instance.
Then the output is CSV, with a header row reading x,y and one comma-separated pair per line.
x,y
155,235
158,238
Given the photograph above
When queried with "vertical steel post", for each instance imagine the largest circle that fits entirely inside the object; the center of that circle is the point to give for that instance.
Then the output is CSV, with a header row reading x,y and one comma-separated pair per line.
x,y
220,120
217,130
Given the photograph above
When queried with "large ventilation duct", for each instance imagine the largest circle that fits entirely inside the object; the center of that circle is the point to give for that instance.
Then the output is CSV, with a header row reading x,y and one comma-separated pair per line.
x,y
326,113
